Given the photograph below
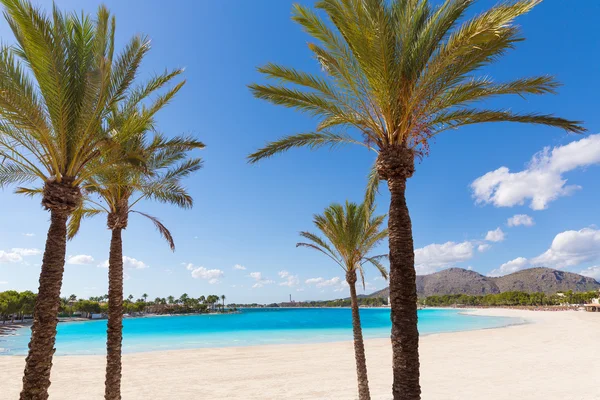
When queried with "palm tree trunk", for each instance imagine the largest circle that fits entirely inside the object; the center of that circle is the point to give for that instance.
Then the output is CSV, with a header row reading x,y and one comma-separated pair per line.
x,y
359,346
36,379
403,296
115,318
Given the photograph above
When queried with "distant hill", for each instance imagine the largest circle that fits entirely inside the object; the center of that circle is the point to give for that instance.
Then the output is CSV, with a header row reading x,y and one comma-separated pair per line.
x,y
462,281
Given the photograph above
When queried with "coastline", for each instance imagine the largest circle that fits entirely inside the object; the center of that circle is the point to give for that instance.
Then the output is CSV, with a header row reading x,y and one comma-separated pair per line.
x,y
551,357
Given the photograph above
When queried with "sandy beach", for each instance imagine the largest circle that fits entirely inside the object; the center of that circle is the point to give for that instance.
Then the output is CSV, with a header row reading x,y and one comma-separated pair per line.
x,y
553,357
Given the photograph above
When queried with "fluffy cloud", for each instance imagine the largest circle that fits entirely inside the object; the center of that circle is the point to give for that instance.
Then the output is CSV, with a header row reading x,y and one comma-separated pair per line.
x,y
128,262
290,280
512,266
520,219
16,254
542,181
260,281
210,275
592,272
483,247
571,248
322,282
495,236
26,252
239,267
80,259
9,257
435,256
132,263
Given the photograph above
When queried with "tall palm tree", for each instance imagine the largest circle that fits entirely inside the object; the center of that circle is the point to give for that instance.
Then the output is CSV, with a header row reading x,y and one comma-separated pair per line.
x,y
351,232
223,299
399,73
57,84
163,164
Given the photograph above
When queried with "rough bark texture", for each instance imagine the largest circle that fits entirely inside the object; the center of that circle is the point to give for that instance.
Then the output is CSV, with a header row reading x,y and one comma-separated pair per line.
x,y
359,346
115,308
396,165
61,199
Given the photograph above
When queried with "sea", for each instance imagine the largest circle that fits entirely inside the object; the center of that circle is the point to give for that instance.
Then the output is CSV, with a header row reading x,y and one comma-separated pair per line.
x,y
249,327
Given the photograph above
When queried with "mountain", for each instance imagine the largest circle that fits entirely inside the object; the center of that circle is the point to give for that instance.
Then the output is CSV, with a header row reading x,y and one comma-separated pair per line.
x,y
462,281
545,280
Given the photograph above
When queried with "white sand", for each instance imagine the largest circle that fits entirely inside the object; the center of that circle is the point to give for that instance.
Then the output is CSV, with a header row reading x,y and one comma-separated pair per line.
x,y
555,357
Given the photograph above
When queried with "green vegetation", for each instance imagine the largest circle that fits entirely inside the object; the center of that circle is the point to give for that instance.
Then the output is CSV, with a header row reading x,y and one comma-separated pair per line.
x,y
395,74
15,306
511,299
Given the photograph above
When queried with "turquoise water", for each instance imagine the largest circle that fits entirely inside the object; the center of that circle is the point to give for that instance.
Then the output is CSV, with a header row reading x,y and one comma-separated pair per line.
x,y
248,328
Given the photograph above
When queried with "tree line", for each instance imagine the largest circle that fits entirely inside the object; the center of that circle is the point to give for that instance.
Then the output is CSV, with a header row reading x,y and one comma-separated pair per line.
x,y
514,298
15,306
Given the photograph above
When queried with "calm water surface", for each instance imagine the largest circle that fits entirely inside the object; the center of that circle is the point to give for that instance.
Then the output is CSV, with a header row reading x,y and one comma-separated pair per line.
x,y
248,328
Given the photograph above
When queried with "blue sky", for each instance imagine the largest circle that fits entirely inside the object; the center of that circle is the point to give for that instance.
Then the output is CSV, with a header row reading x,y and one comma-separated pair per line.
x,y
249,215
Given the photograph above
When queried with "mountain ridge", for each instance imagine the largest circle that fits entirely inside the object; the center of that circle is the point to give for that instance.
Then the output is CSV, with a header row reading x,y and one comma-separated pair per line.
x,y
463,281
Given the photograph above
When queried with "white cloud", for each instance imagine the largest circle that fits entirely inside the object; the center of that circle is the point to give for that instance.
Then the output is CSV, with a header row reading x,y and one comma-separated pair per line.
x,y
256,275
483,247
128,262
211,275
509,267
29,234
239,267
9,257
26,252
260,281
290,280
495,236
542,181
3,283
435,256
16,254
321,282
520,219
571,248
592,272
283,274
80,259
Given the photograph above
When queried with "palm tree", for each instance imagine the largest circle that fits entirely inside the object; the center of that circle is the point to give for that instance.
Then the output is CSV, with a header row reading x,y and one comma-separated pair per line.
x,y
223,299
163,165
57,84
145,297
171,299
351,232
400,72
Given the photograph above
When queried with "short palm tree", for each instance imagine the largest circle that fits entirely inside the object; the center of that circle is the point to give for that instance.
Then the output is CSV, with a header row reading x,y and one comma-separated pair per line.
x,y
57,84
399,73
351,232
163,164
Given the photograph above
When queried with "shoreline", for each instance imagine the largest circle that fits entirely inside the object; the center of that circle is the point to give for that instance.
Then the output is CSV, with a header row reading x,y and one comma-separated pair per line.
x,y
550,358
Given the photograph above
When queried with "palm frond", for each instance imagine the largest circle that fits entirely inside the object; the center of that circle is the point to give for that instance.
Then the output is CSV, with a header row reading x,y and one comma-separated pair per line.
x,y
164,232
313,140
453,119
77,216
